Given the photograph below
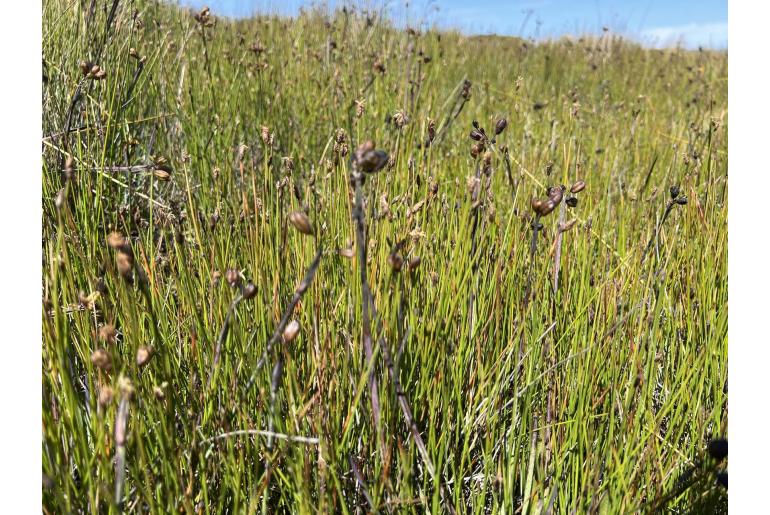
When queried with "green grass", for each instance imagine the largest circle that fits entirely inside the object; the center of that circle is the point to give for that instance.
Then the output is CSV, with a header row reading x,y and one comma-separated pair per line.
x,y
593,398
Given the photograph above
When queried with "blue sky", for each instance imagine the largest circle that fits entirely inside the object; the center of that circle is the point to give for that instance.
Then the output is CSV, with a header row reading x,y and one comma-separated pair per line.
x,y
653,22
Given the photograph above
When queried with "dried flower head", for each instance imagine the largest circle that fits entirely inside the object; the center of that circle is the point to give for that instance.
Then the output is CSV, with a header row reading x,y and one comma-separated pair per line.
x,y
108,334
291,331
500,126
101,359
233,277
578,187
249,291
368,160
301,222
400,118
144,355
106,395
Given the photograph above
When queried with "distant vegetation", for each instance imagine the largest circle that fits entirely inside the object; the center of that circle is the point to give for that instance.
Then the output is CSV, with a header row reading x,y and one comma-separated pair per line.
x,y
323,265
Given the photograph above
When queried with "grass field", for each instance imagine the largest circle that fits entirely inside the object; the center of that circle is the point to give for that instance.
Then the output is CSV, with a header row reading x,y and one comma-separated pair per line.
x,y
241,315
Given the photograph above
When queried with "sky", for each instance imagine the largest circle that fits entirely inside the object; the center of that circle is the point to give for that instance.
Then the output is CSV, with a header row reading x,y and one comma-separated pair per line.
x,y
658,23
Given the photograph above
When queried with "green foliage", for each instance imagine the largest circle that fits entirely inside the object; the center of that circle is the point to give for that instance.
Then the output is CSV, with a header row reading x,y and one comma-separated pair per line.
x,y
596,397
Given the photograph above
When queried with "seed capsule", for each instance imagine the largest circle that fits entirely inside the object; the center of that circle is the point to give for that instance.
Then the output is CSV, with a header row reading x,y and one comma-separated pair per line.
x,y
301,222
555,194
395,261
414,263
249,291
105,396
233,277
546,207
291,331
101,359
566,226
116,240
144,355
681,200
571,201
476,135
161,175
578,187
674,192
125,263
500,126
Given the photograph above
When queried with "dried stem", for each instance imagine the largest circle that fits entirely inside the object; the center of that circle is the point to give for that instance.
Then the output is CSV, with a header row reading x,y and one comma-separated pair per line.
x,y
358,217
121,423
557,254
223,336
406,410
303,286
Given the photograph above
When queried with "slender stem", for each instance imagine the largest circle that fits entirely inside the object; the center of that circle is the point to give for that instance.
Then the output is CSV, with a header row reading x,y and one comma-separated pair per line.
x,y
358,216
303,286
557,254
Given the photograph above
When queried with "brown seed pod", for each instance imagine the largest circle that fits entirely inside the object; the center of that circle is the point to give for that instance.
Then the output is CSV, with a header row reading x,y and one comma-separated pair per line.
x,y
476,135
500,126
301,222
116,241
161,175
233,277
566,226
291,331
395,261
108,334
105,396
556,193
125,263
144,355
249,291
101,359
543,207
578,187
85,67
414,263
346,253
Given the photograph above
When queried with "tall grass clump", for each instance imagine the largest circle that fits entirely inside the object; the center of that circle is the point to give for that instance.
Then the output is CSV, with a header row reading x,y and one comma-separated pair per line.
x,y
278,275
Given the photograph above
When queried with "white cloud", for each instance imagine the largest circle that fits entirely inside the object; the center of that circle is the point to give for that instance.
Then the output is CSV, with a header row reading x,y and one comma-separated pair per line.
x,y
710,35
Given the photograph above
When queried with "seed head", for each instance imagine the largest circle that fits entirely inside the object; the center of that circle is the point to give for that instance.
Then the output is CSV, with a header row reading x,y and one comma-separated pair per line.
x,y
681,200
571,201
674,192
291,331
414,263
116,241
267,136
400,118
125,263
233,277
476,135
249,291
144,355
368,160
500,126
301,222
101,359
105,396
161,175
578,187
108,334
566,226
395,261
